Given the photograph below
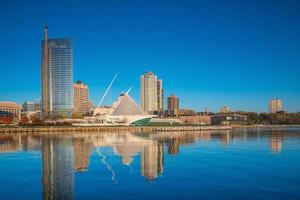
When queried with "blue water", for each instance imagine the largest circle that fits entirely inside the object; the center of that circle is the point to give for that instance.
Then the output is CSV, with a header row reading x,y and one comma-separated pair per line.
x,y
240,164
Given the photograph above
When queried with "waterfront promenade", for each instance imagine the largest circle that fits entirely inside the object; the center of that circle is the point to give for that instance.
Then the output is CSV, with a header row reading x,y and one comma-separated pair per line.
x,y
72,129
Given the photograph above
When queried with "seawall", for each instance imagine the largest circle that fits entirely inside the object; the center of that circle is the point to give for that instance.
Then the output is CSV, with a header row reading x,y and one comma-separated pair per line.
x,y
71,129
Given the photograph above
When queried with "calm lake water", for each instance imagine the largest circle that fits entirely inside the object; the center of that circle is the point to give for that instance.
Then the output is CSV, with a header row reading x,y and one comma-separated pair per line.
x,y
240,164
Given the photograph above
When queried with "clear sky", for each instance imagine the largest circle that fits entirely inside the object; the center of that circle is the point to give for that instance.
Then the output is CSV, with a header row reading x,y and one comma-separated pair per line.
x,y
209,53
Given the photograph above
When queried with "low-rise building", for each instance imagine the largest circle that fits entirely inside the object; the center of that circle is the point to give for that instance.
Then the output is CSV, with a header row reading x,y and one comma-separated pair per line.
x,y
10,112
228,119
187,112
196,120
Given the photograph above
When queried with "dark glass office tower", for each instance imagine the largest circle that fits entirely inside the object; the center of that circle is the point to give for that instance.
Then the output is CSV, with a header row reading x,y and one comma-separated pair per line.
x,y
57,77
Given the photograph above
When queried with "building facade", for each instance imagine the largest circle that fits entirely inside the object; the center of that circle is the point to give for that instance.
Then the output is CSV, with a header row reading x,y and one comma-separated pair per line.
x,y
173,104
187,112
228,119
196,120
57,77
275,105
10,112
151,92
81,99
160,96
31,106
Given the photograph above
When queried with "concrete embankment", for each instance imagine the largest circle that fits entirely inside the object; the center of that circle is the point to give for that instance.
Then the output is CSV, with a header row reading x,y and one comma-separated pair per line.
x,y
70,129
264,126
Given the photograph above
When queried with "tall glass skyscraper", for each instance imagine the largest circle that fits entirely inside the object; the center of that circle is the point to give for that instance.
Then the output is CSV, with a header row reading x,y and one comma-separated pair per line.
x,y
57,77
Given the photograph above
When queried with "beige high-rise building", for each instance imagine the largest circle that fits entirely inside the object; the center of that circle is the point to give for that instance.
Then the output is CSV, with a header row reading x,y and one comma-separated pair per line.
x,y
81,99
173,104
275,105
160,95
151,92
224,109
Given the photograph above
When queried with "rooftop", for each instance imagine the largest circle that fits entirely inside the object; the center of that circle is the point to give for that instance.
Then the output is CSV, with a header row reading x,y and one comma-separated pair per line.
x,y
9,104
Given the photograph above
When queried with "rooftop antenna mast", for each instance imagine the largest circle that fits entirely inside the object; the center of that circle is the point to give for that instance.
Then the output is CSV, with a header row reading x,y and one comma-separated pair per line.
x,y
108,88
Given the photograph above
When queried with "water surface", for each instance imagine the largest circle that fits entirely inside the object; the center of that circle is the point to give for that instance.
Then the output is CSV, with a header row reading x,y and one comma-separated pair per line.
x,y
240,164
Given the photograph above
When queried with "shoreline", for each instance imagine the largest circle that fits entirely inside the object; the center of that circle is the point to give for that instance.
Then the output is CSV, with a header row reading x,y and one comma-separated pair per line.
x,y
77,129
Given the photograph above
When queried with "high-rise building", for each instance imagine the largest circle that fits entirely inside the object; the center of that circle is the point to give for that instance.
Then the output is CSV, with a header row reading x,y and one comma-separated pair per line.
x,y
57,77
275,105
173,104
160,96
81,99
151,92
224,109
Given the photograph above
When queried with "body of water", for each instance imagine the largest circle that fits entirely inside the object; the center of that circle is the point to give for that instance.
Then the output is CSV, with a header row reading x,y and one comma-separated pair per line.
x,y
237,164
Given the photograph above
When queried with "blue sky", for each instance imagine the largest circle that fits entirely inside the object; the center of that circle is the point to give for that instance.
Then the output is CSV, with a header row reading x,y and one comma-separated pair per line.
x,y
208,53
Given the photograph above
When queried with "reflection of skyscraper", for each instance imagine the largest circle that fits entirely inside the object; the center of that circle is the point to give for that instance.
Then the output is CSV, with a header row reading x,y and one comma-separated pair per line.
x,y
225,138
275,142
58,172
152,160
82,152
173,146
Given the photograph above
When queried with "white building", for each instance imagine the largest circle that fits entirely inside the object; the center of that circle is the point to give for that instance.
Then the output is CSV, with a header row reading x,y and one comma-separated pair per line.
x,y
124,112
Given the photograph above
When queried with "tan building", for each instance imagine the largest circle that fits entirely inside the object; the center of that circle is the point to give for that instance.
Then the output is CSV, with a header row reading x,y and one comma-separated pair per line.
x,y
197,120
275,105
160,95
151,92
187,112
224,109
173,104
82,105
10,112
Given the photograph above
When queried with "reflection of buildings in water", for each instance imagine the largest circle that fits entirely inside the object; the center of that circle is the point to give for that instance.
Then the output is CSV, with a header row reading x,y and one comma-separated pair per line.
x,y
173,146
129,145
58,172
225,138
152,159
275,141
10,143
127,151
82,151
31,142
175,139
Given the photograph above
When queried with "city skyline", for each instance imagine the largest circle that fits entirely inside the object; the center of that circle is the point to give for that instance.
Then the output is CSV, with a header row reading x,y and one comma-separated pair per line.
x,y
206,59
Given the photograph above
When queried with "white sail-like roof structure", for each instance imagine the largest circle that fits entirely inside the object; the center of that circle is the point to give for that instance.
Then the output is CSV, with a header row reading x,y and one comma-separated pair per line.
x,y
127,106
125,111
